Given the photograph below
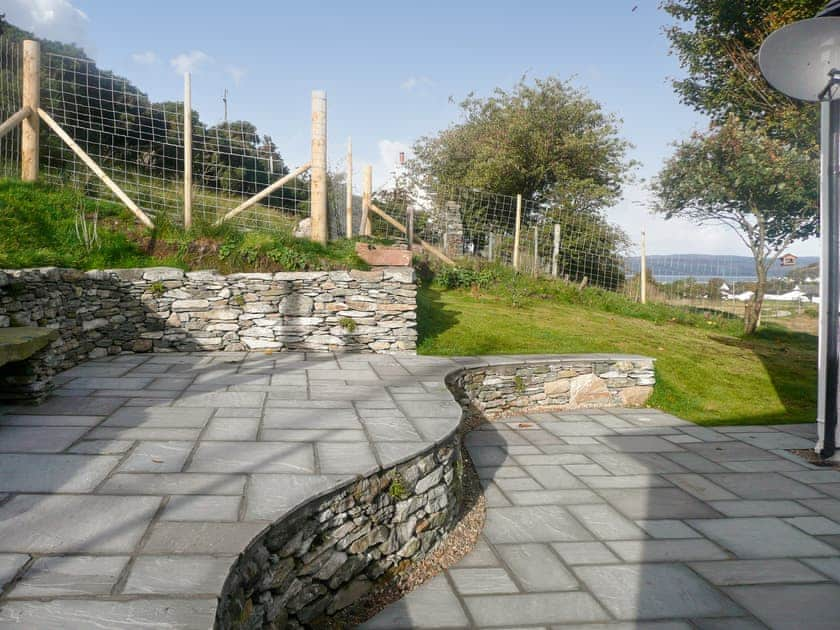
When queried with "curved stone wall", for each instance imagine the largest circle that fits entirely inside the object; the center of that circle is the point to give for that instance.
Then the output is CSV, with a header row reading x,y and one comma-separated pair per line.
x,y
558,382
327,554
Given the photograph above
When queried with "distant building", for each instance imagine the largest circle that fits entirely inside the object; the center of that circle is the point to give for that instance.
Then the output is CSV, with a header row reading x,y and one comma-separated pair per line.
x,y
788,260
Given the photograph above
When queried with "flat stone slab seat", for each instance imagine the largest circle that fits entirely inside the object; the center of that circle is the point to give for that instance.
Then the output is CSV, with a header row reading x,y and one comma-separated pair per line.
x,y
21,342
127,496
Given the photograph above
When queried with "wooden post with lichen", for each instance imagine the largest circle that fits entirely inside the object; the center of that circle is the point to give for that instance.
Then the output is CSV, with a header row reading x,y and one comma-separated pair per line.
x,y
31,99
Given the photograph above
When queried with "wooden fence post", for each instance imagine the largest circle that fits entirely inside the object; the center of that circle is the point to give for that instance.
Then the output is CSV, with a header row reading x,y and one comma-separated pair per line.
x,y
187,151
31,99
348,184
409,219
535,269
319,225
516,232
555,251
367,193
490,244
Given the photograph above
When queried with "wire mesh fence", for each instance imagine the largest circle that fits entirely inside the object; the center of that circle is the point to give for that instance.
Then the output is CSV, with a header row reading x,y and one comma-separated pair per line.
x,y
728,284
10,102
140,145
586,249
574,245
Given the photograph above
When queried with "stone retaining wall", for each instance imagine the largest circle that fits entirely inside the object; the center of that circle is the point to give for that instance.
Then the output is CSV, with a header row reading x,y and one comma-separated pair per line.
x,y
577,382
324,556
164,309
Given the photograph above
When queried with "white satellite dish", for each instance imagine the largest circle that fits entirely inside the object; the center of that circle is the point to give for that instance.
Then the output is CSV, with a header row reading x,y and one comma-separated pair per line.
x,y
798,59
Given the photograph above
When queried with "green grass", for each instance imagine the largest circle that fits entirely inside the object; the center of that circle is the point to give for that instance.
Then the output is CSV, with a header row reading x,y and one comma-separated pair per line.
x,y
40,228
706,371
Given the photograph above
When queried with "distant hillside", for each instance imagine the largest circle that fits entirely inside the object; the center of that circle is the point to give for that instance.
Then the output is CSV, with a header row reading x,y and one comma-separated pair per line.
x,y
703,266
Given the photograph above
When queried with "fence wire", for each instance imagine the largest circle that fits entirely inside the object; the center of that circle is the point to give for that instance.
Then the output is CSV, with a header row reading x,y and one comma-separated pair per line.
x,y
140,145
10,102
464,222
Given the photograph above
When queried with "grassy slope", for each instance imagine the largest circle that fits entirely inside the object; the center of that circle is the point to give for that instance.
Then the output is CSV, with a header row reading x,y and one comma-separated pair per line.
x,y
710,376
39,228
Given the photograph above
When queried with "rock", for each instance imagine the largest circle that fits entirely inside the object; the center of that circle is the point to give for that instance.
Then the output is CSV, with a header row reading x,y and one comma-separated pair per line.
x,y
304,228
142,345
588,390
296,304
635,396
349,594
556,388
190,305
429,481
161,274
93,324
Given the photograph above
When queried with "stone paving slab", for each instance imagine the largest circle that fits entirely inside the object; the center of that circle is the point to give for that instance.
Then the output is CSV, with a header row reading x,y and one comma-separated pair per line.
x,y
126,496
717,530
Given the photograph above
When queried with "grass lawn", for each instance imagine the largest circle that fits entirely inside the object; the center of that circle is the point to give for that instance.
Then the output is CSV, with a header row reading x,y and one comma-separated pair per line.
x,y
709,375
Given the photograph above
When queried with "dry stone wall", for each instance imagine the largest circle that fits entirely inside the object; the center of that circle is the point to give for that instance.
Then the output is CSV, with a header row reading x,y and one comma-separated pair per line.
x,y
329,553
576,382
164,309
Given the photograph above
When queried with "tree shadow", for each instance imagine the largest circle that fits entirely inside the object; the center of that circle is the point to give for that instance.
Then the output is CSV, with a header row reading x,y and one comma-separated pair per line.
x,y
790,360
433,316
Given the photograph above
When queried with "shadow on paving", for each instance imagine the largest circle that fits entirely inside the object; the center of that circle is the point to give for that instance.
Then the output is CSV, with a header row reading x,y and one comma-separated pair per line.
x,y
632,518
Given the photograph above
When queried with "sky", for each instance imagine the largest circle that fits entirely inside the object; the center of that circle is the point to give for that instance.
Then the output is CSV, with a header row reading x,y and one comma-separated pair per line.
x,y
394,71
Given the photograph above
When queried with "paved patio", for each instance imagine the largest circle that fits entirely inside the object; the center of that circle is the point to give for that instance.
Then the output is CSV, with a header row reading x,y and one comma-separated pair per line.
x,y
634,518
127,495
125,498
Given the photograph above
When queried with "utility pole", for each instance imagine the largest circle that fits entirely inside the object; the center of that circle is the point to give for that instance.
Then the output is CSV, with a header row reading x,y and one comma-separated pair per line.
x,y
224,100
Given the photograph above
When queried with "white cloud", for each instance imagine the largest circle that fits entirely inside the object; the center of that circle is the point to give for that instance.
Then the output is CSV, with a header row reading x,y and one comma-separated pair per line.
x,y
416,82
235,72
146,58
189,62
50,19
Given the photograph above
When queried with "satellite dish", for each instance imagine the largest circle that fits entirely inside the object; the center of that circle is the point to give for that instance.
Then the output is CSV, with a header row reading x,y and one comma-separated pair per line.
x,y
798,59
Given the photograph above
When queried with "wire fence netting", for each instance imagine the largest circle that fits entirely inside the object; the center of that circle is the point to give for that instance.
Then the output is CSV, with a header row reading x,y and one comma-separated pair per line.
x,y
140,145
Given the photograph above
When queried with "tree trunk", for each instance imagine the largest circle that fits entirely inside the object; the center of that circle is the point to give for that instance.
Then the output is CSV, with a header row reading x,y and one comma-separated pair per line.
x,y
752,315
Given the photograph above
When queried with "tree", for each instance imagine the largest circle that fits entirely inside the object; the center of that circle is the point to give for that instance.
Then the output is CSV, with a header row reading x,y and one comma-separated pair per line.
x,y
545,140
738,175
717,42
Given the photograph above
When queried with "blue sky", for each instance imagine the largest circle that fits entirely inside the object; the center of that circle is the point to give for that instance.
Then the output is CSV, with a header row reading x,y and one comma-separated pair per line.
x,y
390,68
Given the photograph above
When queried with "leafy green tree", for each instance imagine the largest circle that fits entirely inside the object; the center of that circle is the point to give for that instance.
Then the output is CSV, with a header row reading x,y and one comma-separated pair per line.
x,y
545,140
738,175
717,42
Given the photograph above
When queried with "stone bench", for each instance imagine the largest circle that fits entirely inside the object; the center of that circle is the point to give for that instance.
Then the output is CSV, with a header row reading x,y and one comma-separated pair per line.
x,y
17,344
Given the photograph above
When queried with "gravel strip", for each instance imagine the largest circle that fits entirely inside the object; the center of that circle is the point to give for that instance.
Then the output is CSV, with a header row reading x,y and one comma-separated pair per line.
x,y
457,544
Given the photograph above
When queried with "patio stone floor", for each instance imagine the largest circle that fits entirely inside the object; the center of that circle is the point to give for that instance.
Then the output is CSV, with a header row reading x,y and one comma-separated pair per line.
x,y
622,519
126,496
